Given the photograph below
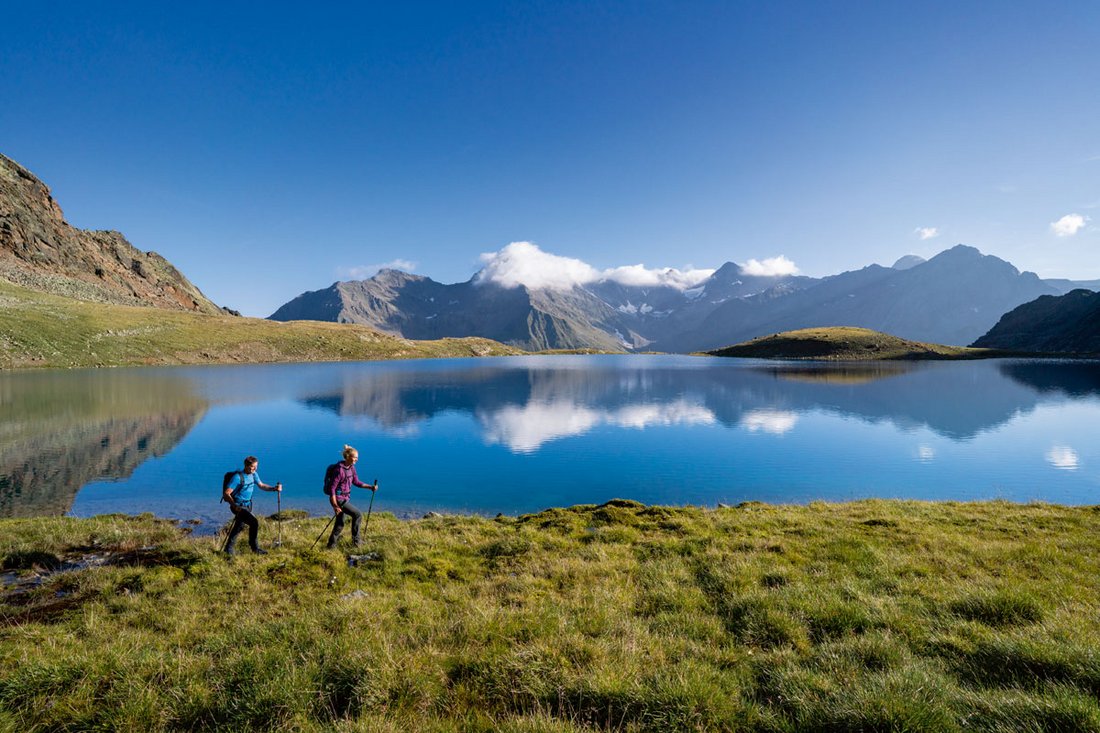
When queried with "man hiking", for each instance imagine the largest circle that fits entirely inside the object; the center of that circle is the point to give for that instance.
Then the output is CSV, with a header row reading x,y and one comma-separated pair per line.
x,y
238,492
339,478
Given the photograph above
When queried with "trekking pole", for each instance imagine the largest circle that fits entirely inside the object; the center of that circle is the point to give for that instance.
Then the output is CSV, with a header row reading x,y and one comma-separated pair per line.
x,y
322,532
279,505
372,493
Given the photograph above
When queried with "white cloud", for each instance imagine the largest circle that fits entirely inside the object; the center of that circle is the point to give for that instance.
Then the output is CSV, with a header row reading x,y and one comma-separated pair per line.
x,y
771,267
641,275
927,232
1068,225
362,272
1064,457
524,263
776,422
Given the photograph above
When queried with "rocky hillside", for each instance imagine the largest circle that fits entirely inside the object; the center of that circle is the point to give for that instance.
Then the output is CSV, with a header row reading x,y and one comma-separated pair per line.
x,y
418,307
1068,323
41,251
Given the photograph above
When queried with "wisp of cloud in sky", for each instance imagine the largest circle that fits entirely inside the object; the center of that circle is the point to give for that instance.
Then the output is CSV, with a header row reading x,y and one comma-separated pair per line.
x,y
1068,225
362,272
523,263
771,267
927,232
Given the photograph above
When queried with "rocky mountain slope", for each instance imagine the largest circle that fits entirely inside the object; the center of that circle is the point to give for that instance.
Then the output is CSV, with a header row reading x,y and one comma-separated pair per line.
x,y
952,299
418,307
39,250
1068,323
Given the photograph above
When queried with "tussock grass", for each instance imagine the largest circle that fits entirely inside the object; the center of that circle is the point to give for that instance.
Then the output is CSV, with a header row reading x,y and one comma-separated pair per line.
x,y
866,616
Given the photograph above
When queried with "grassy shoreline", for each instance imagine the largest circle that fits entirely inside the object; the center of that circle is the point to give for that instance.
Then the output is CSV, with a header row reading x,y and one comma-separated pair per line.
x,y
870,615
38,330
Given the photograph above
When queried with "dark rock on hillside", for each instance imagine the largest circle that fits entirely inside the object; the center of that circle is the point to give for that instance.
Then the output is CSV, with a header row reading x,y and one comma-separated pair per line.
x,y
1068,323
41,251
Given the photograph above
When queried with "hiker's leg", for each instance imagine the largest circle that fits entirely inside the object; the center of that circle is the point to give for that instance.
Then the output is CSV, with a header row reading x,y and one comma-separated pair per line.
x,y
253,528
356,519
234,530
337,528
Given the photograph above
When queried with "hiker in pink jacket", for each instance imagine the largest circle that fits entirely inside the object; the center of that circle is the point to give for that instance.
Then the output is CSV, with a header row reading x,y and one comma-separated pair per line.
x,y
339,478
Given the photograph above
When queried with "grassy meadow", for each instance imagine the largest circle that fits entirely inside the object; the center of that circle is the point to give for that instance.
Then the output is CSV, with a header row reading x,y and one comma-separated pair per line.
x,y
867,616
42,330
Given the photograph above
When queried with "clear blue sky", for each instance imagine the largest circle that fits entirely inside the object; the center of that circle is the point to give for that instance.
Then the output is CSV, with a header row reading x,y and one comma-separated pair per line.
x,y
267,150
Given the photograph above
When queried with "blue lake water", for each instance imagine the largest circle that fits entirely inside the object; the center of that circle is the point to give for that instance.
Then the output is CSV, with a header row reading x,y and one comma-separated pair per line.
x,y
515,435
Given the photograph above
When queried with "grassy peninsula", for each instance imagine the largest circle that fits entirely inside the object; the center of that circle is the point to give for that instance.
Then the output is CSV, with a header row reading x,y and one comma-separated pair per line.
x,y
43,330
867,616
847,343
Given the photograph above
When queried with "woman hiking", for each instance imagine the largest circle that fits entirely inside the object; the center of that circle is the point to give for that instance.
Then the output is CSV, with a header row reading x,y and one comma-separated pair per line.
x,y
238,492
339,478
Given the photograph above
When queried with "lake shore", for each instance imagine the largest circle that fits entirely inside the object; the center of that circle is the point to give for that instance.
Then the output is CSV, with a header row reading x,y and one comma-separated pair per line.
x,y
866,615
41,331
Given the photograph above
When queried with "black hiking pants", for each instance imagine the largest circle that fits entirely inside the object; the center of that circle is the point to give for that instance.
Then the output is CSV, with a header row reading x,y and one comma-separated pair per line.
x,y
242,517
346,509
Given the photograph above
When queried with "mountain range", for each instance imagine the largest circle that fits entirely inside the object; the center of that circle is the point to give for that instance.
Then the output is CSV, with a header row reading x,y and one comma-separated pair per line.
x,y
952,298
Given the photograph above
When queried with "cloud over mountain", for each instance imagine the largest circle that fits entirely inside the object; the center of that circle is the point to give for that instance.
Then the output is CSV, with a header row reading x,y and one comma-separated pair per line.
x,y
771,267
524,263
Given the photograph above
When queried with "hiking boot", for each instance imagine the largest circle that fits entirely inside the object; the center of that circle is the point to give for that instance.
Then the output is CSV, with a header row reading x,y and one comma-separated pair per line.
x,y
258,551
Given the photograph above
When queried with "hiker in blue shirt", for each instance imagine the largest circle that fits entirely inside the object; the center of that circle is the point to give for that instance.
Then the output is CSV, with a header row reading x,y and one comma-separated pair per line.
x,y
238,492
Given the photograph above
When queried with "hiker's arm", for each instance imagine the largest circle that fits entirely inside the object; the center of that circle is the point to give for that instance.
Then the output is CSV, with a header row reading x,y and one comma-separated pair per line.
x,y
332,500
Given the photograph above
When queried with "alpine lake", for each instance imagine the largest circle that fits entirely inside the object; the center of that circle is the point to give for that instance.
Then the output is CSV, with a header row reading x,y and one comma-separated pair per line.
x,y
520,434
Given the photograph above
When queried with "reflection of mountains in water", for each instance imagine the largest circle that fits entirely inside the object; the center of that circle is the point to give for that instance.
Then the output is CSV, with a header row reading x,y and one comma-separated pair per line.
x,y
62,431
523,407
1073,378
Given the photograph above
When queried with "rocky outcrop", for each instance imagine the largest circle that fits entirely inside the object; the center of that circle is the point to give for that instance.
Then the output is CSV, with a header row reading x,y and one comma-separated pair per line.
x,y
1068,323
41,251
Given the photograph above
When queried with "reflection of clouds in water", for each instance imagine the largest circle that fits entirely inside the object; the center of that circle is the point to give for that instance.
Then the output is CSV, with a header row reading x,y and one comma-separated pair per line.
x,y
925,453
1064,457
525,429
775,422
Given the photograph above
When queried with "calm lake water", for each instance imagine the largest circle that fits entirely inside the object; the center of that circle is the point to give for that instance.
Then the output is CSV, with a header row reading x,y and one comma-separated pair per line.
x,y
521,434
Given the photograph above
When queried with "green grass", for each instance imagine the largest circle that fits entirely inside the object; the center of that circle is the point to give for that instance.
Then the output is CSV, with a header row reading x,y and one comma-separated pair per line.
x,y
41,330
847,343
868,616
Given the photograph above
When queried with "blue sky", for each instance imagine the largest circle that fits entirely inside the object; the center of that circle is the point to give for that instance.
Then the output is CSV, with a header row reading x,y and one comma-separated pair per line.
x,y
269,149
